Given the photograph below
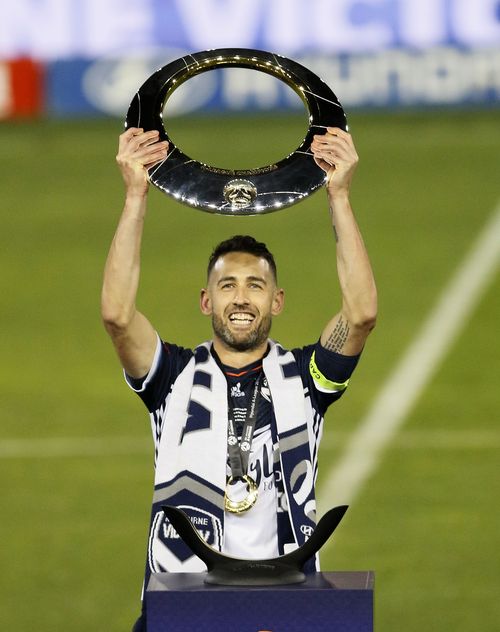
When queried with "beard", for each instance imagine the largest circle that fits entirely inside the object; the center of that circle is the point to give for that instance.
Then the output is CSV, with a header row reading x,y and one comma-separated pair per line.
x,y
242,342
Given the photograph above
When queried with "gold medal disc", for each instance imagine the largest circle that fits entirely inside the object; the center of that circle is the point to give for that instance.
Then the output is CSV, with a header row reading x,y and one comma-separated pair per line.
x,y
240,506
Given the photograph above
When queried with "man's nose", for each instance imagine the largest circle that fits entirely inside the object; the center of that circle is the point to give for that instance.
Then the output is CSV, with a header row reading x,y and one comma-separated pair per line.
x,y
240,296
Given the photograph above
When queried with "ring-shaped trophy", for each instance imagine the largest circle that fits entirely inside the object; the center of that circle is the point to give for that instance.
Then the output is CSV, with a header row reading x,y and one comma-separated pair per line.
x,y
240,191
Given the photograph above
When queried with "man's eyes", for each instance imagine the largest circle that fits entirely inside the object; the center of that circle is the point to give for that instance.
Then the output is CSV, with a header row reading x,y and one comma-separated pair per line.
x,y
252,286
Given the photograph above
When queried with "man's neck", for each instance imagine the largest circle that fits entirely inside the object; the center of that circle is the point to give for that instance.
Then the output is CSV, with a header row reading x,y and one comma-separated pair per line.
x,y
238,359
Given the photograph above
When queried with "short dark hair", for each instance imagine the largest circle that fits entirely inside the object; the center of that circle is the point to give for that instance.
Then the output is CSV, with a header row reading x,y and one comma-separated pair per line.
x,y
242,243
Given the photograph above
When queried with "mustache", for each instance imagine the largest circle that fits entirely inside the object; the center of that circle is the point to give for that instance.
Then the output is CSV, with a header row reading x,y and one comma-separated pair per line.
x,y
243,307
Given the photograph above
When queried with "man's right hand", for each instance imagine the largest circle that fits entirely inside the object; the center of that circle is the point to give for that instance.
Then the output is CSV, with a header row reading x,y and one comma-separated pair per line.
x,y
138,151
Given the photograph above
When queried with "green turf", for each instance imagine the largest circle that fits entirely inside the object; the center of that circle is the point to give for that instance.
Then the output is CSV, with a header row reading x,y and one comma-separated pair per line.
x,y
73,529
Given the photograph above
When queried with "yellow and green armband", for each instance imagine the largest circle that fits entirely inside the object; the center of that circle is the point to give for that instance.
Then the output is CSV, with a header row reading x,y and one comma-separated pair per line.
x,y
321,382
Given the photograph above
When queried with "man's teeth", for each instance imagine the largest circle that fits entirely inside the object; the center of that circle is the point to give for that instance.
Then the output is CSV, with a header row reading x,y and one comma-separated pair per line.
x,y
241,318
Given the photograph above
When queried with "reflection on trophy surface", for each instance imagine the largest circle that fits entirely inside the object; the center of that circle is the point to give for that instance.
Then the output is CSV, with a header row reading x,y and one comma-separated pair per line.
x,y
226,191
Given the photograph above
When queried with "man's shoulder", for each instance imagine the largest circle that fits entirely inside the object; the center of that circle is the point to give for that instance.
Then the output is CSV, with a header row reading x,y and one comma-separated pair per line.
x,y
169,362
326,371
300,354
294,361
175,356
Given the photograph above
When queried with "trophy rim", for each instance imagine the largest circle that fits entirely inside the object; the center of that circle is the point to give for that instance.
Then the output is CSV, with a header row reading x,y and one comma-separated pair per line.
x,y
296,176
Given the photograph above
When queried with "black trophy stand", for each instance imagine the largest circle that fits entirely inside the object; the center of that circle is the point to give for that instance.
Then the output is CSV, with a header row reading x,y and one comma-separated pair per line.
x,y
232,571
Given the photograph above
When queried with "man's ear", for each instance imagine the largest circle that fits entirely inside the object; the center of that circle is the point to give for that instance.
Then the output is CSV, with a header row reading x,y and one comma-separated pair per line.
x,y
278,302
205,302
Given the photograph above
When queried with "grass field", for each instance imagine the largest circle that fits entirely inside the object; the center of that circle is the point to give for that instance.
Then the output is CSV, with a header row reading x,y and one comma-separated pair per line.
x,y
75,456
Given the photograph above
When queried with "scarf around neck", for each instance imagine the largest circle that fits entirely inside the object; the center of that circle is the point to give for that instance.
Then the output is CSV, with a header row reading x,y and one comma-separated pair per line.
x,y
191,465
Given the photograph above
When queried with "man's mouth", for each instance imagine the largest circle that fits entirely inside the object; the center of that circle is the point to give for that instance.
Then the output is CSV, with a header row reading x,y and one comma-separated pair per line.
x,y
241,318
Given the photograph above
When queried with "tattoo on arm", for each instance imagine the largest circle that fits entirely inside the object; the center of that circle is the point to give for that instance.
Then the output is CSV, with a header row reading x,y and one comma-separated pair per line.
x,y
333,225
338,337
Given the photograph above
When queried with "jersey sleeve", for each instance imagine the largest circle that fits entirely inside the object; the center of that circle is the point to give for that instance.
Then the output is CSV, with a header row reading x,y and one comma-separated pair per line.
x,y
326,373
168,362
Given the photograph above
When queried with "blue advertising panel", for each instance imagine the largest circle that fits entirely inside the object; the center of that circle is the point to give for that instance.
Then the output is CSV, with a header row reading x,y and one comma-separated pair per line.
x,y
440,76
373,53
58,29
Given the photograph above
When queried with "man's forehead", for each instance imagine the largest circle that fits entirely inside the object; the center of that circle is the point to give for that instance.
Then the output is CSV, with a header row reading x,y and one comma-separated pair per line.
x,y
242,263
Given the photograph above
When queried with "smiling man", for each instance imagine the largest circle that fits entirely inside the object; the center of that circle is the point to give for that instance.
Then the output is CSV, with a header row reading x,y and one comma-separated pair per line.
x,y
236,421
242,297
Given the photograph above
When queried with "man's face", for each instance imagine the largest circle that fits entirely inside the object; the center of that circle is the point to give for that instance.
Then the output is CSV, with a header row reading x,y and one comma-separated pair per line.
x,y
242,298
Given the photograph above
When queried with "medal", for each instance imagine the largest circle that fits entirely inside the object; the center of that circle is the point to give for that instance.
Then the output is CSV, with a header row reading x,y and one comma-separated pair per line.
x,y
238,457
240,506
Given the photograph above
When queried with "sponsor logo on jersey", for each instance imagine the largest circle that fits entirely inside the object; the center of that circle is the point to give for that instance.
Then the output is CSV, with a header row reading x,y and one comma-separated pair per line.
x,y
236,391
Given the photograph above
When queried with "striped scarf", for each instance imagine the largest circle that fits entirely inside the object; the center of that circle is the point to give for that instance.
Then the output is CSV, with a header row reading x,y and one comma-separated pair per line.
x,y
191,464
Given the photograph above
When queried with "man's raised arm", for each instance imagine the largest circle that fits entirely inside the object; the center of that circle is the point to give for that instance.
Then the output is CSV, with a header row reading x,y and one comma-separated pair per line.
x,y
347,331
132,334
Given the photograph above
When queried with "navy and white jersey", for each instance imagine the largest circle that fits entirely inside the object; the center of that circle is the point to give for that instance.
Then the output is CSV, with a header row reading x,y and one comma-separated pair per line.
x,y
324,375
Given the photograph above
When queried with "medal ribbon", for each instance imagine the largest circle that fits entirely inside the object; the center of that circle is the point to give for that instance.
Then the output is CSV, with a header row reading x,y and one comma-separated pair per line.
x,y
239,452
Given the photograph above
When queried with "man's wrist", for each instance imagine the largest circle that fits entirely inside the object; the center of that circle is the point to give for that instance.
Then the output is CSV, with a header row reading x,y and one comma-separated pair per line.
x,y
337,195
138,194
135,204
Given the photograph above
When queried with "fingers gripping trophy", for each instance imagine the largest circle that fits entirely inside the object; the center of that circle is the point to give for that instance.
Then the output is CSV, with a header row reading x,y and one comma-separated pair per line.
x,y
241,297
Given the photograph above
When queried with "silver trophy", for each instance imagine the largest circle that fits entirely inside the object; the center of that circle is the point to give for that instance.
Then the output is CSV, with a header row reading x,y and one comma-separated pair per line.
x,y
239,191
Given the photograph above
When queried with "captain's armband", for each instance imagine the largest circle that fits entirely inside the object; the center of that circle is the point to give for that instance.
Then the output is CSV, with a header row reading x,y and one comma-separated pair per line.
x,y
321,382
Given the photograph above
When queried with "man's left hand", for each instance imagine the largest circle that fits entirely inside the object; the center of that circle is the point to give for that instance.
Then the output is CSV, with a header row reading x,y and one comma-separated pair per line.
x,y
335,153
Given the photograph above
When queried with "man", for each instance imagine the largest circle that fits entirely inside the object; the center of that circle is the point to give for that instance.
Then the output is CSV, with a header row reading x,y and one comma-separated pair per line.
x,y
236,422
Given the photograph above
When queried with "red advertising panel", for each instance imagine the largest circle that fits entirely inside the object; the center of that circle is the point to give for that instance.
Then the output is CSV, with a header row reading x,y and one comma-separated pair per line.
x,y
21,88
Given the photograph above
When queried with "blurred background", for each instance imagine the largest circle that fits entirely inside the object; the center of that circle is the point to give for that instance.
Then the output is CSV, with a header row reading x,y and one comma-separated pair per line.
x,y
420,82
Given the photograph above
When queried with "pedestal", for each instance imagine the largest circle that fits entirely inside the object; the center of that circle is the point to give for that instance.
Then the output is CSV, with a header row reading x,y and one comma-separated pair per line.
x,y
326,602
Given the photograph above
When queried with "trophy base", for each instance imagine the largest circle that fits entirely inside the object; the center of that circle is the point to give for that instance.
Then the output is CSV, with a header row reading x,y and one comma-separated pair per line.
x,y
341,601
254,574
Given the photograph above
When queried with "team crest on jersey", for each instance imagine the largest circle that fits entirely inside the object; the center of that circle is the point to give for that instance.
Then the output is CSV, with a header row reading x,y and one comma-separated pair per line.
x,y
167,551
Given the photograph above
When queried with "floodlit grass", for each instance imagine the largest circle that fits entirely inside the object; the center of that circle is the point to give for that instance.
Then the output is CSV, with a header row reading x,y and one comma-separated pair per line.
x,y
73,529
